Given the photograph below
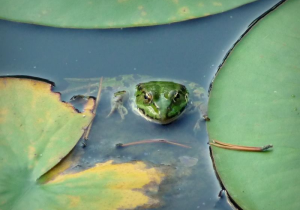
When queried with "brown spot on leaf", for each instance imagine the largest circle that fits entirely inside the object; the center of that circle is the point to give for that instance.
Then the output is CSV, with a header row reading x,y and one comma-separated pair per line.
x,y
184,11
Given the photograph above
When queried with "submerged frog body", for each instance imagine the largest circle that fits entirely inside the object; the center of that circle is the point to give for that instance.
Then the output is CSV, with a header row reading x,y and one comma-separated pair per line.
x,y
157,101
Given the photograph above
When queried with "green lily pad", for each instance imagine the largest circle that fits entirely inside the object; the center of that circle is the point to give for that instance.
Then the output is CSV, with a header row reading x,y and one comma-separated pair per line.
x,y
112,13
37,131
255,100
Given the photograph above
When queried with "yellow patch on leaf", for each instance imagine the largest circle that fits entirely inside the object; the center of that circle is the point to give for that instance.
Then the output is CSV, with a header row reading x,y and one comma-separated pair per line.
x,y
115,186
3,113
218,4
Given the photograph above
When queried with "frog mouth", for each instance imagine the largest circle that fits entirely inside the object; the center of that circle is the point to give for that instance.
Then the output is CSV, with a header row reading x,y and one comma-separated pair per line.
x,y
158,121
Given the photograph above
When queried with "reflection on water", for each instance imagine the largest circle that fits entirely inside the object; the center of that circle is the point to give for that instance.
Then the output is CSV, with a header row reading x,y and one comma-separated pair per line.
x,y
189,50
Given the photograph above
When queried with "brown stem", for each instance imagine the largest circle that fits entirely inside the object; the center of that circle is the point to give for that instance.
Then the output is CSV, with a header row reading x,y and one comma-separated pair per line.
x,y
232,145
238,147
147,141
86,135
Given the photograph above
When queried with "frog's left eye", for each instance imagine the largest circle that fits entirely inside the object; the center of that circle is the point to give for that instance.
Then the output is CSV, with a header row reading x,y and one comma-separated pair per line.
x,y
177,96
174,95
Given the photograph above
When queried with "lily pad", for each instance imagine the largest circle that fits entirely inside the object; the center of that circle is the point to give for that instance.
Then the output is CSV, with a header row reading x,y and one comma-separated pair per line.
x,y
37,131
255,100
112,13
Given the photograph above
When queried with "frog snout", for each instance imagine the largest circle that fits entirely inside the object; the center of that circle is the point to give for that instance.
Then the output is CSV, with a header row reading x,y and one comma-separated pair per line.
x,y
163,114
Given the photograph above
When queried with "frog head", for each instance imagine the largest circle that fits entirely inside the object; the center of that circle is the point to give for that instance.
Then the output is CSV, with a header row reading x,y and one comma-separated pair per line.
x,y
161,101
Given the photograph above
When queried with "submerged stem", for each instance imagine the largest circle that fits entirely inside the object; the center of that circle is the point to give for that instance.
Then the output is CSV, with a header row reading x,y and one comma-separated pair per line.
x,y
86,135
79,88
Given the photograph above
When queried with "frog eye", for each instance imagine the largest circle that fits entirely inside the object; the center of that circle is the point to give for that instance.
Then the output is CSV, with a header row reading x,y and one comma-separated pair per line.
x,y
171,94
186,97
175,95
148,97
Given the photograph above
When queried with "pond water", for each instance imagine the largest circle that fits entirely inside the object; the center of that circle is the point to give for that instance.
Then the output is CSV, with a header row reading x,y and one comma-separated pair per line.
x,y
190,50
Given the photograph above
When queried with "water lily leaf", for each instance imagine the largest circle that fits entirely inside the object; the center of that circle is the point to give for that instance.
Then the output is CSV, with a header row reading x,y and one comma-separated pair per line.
x,y
36,131
255,100
110,14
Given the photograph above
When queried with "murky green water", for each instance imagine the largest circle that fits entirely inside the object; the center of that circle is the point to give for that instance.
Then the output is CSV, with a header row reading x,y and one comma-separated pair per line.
x,y
190,50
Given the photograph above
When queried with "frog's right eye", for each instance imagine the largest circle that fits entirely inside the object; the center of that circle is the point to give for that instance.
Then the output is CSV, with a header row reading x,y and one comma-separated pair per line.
x,y
148,97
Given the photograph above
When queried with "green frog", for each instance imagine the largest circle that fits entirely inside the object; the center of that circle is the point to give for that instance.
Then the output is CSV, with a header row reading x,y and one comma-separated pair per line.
x,y
158,101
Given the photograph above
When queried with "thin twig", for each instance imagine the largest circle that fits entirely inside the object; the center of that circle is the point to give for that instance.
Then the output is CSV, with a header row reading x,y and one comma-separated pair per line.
x,y
86,135
147,141
232,145
238,147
